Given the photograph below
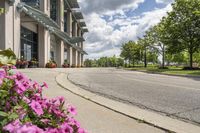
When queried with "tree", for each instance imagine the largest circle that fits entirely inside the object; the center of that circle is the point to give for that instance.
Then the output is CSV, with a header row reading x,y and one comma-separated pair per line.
x,y
152,57
88,63
120,62
126,52
183,26
146,44
160,37
131,52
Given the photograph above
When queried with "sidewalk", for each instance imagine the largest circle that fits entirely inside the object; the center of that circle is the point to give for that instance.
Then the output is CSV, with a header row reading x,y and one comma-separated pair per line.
x,y
93,117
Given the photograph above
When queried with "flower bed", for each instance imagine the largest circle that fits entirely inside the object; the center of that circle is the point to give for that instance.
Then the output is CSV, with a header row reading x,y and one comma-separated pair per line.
x,y
21,63
51,64
23,109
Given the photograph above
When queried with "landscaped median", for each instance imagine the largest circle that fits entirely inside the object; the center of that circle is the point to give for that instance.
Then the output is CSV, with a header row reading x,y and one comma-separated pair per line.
x,y
175,71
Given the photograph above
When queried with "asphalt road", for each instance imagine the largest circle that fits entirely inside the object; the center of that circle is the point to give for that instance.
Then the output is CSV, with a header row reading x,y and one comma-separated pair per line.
x,y
177,97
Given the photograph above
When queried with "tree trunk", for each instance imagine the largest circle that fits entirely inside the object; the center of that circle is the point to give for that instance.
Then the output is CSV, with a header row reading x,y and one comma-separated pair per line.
x,y
145,58
133,63
191,59
163,57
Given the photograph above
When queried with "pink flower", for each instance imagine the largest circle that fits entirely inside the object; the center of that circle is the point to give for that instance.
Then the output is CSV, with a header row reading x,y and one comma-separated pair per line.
x,y
65,128
20,76
11,127
73,122
8,106
28,128
71,109
20,89
61,99
45,85
26,99
52,130
81,130
2,74
36,107
13,67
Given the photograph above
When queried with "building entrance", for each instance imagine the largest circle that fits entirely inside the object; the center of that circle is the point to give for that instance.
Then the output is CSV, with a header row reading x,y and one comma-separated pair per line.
x,y
29,44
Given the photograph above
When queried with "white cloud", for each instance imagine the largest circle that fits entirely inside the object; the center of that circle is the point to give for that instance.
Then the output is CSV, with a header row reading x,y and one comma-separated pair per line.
x,y
105,37
164,1
108,6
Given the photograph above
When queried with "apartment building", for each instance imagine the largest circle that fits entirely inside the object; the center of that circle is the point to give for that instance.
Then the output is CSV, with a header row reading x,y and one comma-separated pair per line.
x,y
44,30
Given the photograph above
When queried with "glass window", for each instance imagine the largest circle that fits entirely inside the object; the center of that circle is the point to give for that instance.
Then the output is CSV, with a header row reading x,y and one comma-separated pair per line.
x,y
29,44
53,9
65,22
52,55
33,3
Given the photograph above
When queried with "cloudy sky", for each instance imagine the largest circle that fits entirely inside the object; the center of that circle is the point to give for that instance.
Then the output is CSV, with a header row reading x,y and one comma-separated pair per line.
x,y
113,22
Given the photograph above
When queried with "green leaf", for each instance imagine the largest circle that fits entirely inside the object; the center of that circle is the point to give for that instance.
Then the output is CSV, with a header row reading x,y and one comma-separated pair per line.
x,y
4,122
7,57
3,114
13,116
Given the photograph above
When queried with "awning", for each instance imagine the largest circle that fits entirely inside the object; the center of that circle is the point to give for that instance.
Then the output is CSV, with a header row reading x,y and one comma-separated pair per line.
x,y
77,39
82,24
37,15
48,23
72,4
78,15
85,30
67,39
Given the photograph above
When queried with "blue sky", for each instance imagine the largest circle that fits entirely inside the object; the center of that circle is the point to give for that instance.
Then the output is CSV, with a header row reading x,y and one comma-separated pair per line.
x,y
114,22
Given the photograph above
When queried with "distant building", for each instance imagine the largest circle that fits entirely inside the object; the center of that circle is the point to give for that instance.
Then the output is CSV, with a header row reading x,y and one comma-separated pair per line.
x,y
43,29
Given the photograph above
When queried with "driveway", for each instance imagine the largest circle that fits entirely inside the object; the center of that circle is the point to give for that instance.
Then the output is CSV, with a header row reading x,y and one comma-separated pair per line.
x,y
177,97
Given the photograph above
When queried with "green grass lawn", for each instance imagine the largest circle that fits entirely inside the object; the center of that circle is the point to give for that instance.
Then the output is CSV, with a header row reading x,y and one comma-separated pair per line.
x,y
171,70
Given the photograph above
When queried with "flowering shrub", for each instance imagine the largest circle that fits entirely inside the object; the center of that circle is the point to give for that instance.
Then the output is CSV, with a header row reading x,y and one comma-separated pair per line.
x,y
65,64
21,63
23,109
51,64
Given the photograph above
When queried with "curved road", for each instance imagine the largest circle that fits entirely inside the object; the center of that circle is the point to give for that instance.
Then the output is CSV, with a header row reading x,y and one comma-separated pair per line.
x,y
174,96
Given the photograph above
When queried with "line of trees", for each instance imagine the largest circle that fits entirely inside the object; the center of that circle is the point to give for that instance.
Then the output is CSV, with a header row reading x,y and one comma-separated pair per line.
x,y
176,38
104,62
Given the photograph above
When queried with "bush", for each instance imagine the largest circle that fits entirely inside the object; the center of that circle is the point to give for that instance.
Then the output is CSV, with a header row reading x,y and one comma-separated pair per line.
x,y
163,68
189,68
24,109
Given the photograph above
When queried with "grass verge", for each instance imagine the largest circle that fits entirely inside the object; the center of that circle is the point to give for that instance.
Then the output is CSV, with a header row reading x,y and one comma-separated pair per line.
x,y
170,71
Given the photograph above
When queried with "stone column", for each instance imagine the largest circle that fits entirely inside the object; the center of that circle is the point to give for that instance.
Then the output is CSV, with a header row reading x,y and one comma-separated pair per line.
x,y
79,34
74,57
79,45
82,63
44,37
69,22
10,27
69,55
60,45
74,29
79,59
82,42
69,31
75,52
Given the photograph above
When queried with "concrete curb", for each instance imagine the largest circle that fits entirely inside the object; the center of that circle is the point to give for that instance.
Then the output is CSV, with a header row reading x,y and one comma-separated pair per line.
x,y
174,75
152,118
